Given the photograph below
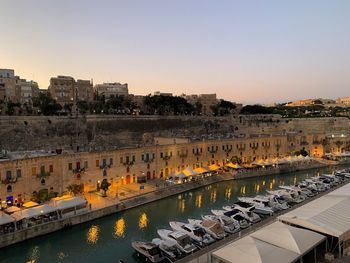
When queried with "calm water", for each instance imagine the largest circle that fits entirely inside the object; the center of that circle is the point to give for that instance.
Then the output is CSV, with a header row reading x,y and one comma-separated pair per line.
x,y
108,239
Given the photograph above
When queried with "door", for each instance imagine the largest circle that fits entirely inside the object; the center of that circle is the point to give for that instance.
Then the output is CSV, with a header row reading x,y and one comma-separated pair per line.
x,y
148,175
127,179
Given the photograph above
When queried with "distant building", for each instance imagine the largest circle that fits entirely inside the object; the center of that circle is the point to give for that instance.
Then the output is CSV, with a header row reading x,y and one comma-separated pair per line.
x,y
26,91
8,81
206,100
64,89
309,102
112,89
345,100
158,93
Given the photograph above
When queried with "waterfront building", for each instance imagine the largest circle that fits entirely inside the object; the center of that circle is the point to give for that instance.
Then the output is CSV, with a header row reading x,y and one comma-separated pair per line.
x,y
65,90
25,174
112,89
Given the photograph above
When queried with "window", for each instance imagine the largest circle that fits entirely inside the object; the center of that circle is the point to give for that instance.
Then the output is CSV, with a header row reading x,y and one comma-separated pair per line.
x,y
133,158
51,168
147,156
86,164
33,171
104,162
110,161
153,156
127,159
9,188
8,175
97,163
161,155
19,173
70,166
42,169
142,157
42,181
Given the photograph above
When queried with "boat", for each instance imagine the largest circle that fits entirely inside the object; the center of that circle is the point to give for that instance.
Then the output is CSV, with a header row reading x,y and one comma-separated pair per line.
x,y
303,192
292,197
230,225
169,248
213,228
234,214
261,205
197,234
276,202
149,250
246,209
183,241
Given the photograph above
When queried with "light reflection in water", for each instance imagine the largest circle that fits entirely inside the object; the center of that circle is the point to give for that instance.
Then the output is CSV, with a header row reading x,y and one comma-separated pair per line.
x,y
198,201
34,255
242,190
271,186
263,183
213,196
257,189
228,193
143,221
92,234
119,228
295,180
182,205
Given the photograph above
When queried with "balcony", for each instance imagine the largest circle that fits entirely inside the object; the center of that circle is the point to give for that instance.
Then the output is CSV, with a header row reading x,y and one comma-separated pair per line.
x,y
106,166
166,157
212,151
183,155
197,153
9,181
43,175
128,163
148,160
228,150
241,148
78,170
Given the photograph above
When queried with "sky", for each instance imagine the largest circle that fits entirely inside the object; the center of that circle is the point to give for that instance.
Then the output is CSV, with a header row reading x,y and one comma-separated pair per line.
x,y
245,51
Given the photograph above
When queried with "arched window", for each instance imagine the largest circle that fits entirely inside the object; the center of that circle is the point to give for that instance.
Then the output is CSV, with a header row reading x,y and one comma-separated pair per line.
x,y
42,181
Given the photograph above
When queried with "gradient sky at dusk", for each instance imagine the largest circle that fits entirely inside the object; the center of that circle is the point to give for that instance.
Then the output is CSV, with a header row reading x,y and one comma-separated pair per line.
x,y
245,51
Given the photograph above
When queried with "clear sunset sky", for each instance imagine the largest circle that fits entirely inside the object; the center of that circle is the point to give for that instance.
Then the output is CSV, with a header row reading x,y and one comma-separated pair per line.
x,y
244,50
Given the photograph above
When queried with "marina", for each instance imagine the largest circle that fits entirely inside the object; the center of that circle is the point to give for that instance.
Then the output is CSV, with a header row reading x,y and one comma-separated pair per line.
x,y
109,239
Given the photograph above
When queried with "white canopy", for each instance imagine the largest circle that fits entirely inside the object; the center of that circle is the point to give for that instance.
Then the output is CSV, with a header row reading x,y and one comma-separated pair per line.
x,y
5,219
291,238
329,214
249,249
70,202
33,212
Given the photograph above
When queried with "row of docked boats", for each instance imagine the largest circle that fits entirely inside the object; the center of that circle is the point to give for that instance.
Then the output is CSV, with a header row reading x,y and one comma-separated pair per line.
x,y
186,237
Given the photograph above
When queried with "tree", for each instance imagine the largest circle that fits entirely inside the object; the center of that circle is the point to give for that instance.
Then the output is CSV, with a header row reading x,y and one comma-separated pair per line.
x,y
75,188
223,108
104,186
256,109
46,104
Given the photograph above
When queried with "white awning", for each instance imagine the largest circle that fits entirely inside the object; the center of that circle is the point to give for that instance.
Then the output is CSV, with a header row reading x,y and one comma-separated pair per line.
x,y
33,212
69,203
249,249
329,214
5,219
291,238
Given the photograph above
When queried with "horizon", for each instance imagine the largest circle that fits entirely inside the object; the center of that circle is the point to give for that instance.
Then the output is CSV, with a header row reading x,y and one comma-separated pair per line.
x,y
250,53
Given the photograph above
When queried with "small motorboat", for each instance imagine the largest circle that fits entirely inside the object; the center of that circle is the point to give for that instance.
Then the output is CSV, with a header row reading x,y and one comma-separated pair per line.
x,y
261,204
246,209
198,234
230,225
183,241
234,214
149,250
169,248
213,228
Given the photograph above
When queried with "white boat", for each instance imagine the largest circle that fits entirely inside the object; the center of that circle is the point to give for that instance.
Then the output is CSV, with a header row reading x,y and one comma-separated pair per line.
x,y
304,192
198,234
276,202
149,250
290,196
169,248
183,241
213,228
246,209
230,225
234,214
320,187
261,204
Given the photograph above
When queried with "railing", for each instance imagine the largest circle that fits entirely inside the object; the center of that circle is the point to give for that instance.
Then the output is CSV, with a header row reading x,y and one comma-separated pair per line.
x,y
105,166
9,181
128,163
78,170
197,153
212,151
183,155
148,160
166,157
43,174
228,150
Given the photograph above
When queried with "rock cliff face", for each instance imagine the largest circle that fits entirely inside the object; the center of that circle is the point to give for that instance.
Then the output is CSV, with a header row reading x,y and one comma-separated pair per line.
x,y
97,133
91,133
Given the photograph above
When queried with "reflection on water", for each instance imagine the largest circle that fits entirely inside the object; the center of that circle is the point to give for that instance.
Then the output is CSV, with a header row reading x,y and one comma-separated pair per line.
x,y
143,221
228,193
182,205
295,180
119,228
213,196
61,255
263,183
257,188
34,255
92,235
198,202
271,186
242,190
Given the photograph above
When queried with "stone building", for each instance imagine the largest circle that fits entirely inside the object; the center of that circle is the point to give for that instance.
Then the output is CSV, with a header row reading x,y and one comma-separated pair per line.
x,y
26,174
26,91
112,89
64,89
207,101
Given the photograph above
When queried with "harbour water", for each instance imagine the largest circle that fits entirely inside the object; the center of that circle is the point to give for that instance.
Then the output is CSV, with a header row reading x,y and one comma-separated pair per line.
x,y
108,239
